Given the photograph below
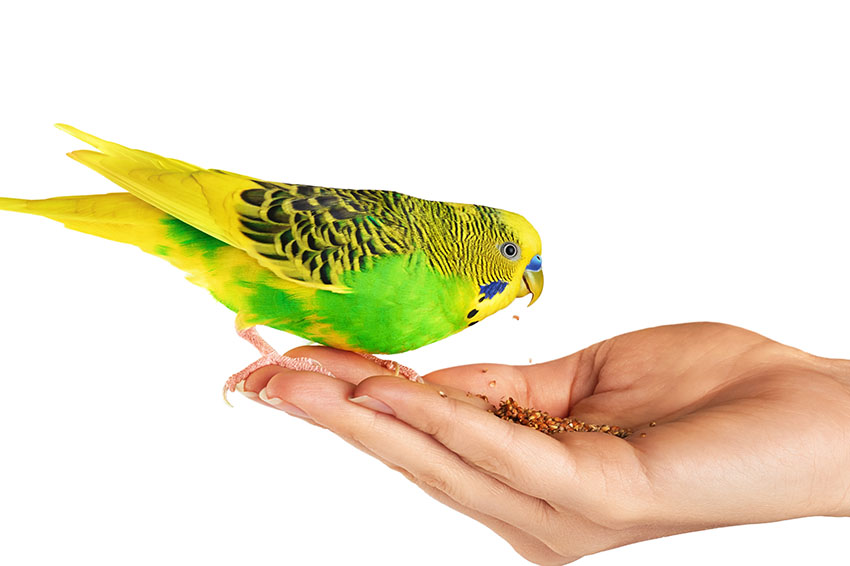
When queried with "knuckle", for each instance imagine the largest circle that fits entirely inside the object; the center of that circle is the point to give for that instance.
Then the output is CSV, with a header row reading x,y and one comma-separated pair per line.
x,y
624,494
620,511
442,425
621,516
435,427
493,458
366,429
434,478
490,463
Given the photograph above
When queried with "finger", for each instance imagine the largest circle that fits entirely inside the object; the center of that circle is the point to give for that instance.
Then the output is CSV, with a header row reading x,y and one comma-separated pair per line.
x,y
527,545
494,381
551,386
571,470
257,381
348,366
524,521
447,391
354,368
395,442
254,389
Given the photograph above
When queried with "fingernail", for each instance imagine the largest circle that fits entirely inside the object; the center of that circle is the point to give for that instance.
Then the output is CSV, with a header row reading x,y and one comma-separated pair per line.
x,y
240,387
372,403
288,408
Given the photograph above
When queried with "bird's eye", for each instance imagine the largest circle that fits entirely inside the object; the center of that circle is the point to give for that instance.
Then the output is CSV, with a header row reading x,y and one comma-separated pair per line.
x,y
510,250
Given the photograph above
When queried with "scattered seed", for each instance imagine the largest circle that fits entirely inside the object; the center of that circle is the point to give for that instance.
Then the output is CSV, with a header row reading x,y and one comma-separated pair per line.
x,y
516,317
443,394
484,370
653,423
492,383
643,435
509,410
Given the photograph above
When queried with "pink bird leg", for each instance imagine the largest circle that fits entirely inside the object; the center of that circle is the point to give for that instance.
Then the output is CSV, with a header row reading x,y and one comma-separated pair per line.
x,y
395,367
270,357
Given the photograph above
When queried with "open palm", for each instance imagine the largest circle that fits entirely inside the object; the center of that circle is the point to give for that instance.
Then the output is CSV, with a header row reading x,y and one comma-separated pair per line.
x,y
729,428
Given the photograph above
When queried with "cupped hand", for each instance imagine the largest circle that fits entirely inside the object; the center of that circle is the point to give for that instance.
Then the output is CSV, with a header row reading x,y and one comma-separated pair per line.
x,y
729,428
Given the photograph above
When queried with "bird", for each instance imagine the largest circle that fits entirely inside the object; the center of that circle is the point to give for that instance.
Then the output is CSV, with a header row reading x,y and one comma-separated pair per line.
x,y
369,271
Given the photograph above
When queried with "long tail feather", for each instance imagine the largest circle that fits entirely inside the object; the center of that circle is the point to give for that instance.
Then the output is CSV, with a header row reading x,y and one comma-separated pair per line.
x,y
115,216
121,217
168,184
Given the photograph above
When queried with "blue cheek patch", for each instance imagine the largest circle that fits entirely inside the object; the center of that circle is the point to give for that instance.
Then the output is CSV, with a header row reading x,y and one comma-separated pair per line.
x,y
490,290
536,264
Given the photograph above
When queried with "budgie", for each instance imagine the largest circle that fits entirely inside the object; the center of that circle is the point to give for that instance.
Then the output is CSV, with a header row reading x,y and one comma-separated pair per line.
x,y
374,272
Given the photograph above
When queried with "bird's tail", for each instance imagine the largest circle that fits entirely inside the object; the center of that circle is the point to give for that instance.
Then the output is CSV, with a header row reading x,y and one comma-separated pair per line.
x,y
122,217
182,190
231,275
13,204
116,216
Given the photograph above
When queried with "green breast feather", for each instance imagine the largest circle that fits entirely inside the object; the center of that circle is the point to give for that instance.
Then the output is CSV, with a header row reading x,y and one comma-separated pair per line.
x,y
369,271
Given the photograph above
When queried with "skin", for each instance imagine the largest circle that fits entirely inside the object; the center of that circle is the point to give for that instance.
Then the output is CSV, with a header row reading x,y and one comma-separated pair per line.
x,y
748,431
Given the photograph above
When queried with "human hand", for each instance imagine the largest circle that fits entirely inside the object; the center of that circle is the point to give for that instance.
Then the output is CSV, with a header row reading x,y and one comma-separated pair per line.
x,y
748,430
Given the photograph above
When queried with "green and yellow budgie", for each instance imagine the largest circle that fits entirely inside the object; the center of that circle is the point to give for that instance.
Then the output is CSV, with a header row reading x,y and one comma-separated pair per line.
x,y
375,272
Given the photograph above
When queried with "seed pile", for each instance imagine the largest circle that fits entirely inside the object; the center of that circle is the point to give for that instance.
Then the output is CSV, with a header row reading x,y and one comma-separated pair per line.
x,y
509,410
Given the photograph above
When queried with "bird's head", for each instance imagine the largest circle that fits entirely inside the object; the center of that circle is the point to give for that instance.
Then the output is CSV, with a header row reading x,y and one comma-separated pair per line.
x,y
495,253
519,249
501,255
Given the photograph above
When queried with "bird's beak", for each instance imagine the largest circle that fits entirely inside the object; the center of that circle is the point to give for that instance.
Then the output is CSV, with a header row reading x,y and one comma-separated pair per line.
x,y
532,282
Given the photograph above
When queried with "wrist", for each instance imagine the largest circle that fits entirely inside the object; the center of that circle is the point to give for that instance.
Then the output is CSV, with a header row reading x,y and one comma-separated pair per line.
x,y
843,373
842,376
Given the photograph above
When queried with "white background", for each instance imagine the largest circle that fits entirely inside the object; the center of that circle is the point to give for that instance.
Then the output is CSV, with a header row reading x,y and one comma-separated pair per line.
x,y
682,162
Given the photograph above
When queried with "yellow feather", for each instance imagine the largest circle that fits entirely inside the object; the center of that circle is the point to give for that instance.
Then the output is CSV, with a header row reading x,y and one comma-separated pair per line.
x,y
167,184
202,198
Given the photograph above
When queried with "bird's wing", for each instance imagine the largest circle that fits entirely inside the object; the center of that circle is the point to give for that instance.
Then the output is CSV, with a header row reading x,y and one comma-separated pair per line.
x,y
305,234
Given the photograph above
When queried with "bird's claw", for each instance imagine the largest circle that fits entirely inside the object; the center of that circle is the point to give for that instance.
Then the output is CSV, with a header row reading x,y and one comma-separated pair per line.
x,y
395,367
298,364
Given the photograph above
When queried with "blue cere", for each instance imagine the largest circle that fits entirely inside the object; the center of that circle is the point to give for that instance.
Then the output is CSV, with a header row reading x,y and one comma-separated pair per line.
x,y
490,290
536,264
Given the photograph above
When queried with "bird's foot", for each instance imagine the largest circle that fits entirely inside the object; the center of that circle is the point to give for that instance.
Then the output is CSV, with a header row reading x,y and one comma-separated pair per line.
x,y
270,358
273,359
395,367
